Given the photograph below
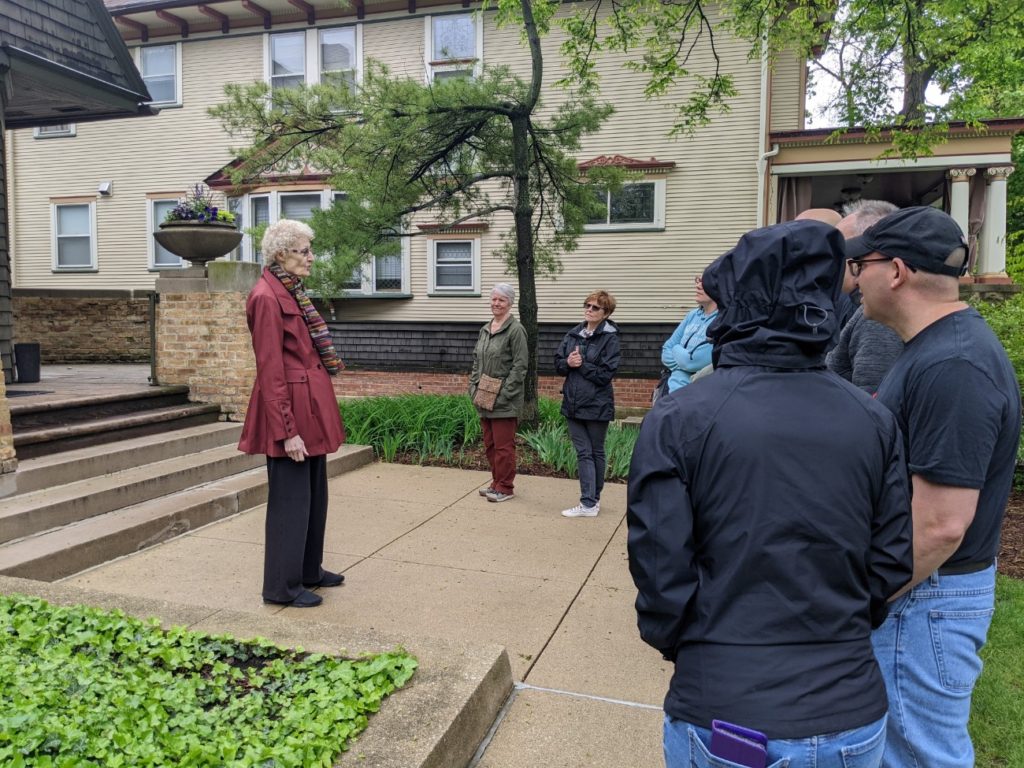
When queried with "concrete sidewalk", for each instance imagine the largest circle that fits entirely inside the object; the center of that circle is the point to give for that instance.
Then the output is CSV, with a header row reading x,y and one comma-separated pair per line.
x,y
425,555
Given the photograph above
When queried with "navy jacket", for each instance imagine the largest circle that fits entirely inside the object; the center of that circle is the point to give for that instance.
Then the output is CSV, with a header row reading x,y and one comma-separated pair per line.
x,y
587,392
768,506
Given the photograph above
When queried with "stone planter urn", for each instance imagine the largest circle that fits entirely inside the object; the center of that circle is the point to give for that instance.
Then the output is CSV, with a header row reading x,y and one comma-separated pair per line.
x,y
198,242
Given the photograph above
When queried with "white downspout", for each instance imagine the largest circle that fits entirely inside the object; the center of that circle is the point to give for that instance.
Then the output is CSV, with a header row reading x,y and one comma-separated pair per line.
x,y
762,134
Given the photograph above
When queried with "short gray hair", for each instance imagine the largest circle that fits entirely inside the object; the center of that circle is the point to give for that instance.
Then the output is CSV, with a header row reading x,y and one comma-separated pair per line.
x,y
867,212
282,235
506,290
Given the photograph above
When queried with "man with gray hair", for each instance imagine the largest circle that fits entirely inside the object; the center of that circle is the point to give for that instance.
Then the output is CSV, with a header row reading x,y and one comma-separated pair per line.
x,y
866,350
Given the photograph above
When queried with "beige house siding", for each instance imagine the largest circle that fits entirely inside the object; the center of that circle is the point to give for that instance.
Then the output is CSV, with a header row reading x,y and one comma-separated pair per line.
x,y
711,192
789,83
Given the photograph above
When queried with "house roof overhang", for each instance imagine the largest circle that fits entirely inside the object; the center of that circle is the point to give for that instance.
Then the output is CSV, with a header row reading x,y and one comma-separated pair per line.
x,y
652,165
966,144
146,20
41,92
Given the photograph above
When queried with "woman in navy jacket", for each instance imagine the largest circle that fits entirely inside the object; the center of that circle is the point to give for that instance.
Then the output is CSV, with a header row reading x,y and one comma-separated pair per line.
x,y
588,357
292,417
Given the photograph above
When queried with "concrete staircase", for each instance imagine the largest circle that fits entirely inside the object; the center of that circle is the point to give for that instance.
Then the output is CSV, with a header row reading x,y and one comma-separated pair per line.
x,y
81,507
55,425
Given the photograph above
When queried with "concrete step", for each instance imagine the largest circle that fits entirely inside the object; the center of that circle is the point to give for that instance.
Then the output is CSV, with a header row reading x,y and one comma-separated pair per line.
x,y
69,466
46,440
54,554
30,513
54,412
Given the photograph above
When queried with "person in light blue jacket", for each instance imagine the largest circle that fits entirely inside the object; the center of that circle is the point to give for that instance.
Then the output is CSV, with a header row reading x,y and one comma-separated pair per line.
x,y
688,349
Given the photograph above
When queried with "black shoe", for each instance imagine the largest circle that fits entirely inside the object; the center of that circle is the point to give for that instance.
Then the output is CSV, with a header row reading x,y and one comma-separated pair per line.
x,y
328,580
306,599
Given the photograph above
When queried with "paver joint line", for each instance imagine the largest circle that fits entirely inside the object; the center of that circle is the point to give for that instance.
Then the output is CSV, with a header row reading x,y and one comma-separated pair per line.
x,y
592,697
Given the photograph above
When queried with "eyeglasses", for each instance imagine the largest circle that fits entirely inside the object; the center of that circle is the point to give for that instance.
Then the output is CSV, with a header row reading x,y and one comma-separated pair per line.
x,y
857,265
303,252
594,307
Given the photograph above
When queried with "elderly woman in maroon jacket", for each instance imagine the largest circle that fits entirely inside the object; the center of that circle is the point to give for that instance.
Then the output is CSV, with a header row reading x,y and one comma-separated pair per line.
x,y
293,416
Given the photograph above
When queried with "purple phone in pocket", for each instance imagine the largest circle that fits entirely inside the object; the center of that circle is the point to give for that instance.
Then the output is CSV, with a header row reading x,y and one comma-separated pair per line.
x,y
739,745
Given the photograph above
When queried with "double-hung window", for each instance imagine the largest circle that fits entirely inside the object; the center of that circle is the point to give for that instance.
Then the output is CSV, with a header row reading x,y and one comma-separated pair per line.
x,y
454,46
640,205
160,66
160,257
74,236
454,266
332,55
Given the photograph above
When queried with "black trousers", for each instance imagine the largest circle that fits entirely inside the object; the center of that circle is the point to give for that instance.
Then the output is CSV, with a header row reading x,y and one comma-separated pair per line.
x,y
296,519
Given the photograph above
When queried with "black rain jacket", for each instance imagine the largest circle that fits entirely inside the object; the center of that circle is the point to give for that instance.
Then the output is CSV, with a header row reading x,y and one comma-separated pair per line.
x,y
768,506
587,392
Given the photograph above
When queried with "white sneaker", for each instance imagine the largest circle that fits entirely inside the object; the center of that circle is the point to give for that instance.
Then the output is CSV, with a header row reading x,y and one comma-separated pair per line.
x,y
580,511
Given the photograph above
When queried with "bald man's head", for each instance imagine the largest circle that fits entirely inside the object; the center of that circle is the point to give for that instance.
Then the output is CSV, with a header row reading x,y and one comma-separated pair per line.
x,y
826,215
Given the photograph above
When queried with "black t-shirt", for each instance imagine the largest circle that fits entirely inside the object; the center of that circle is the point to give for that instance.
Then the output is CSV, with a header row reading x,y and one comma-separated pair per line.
x,y
957,400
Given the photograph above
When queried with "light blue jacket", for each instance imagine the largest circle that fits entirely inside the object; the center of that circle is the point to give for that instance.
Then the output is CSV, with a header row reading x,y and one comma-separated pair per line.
x,y
688,349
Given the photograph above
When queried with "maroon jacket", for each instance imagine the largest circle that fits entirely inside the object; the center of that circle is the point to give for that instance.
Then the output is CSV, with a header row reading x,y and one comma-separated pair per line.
x,y
293,394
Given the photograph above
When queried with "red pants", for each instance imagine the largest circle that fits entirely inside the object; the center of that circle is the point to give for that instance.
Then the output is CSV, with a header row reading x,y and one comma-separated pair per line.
x,y
500,442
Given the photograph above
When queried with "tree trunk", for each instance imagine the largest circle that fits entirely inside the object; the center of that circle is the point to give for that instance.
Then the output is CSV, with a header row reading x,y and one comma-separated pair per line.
x,y
525,268
915,82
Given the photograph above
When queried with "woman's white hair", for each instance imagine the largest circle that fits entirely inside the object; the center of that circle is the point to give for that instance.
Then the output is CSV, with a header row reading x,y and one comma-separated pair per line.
x,y
506,290
282,235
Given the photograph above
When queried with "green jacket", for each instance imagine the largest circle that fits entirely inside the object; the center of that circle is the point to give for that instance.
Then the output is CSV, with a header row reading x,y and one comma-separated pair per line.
x,y
503,355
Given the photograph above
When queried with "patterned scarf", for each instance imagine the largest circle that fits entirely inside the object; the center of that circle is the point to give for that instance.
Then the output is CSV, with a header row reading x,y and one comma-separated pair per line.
x,y
318,330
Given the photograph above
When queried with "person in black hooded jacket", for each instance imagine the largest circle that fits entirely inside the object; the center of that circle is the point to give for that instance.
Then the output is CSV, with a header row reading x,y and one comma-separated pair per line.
x,y
588,357
768,513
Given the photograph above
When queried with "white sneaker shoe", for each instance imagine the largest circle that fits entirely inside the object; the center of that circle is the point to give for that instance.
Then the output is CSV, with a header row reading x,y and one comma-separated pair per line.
x,y
580,511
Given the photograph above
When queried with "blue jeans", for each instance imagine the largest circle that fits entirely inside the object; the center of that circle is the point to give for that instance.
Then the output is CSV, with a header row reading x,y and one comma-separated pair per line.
x,y
687,746
588,440
928,652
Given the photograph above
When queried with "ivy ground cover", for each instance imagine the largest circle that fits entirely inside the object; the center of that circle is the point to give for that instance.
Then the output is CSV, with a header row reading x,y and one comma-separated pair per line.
x,y
84,687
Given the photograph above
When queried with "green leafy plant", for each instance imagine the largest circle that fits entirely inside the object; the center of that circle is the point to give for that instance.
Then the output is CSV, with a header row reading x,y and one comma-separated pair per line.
x,y
433,426
90,688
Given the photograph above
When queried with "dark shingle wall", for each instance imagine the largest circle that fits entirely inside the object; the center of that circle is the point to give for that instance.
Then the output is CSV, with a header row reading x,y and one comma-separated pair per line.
x,y
63,31
449,346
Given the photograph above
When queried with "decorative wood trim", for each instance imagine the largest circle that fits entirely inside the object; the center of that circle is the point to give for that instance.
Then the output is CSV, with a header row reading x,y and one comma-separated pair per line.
x,y
307,9
251,7
164,195
211,13
454,229
170,18
72,199
135,26
653,165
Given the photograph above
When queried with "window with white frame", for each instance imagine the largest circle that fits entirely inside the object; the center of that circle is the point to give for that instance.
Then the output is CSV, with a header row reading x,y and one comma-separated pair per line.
x,y
332,55
454,46
640,205
160,66
454,266
287,59
160,257
54,131
338,56
74,236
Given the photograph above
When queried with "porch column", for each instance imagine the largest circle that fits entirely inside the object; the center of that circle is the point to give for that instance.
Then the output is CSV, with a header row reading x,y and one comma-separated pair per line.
x,y
992,251
960,196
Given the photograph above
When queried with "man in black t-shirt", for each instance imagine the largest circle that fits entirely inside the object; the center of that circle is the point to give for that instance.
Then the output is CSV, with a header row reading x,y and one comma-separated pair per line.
x,y
956,398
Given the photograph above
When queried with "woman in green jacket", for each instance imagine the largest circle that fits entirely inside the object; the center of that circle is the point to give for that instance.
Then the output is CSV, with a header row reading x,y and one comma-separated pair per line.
x,y
501,354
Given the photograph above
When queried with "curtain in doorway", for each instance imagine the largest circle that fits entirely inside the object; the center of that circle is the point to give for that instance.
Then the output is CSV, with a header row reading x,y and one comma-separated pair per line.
x,y
976,217
794,196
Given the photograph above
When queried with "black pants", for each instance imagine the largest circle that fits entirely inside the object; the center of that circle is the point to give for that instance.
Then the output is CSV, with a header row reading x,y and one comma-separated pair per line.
x,y
296,518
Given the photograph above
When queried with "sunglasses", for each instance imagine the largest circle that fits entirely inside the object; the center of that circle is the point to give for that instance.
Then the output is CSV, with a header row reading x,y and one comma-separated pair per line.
x,y
594,307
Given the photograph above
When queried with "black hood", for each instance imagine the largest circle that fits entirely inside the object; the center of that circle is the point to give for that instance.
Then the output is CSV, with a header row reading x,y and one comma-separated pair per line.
x,y
776,293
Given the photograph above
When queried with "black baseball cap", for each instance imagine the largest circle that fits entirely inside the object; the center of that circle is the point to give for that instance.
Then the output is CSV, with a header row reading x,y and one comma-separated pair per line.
x,y
923,237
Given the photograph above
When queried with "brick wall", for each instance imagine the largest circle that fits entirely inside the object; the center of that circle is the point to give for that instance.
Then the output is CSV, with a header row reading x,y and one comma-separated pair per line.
x,y
629,392
8,463
77,326
203,341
